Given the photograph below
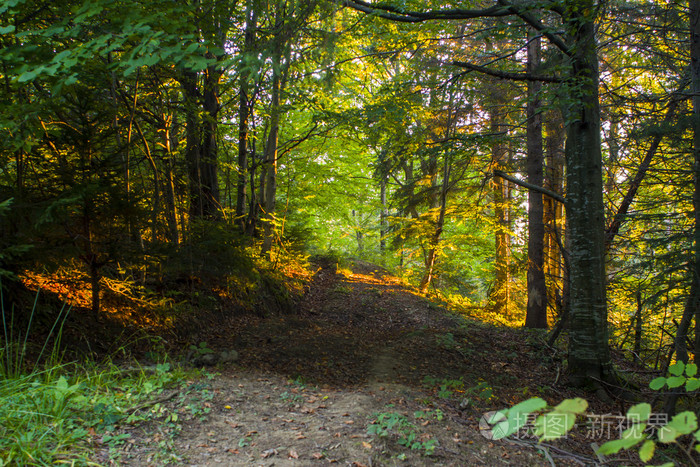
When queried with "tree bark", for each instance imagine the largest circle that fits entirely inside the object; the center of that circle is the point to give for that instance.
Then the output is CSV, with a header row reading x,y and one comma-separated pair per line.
x,y
244,111
201,146
589,353
536,316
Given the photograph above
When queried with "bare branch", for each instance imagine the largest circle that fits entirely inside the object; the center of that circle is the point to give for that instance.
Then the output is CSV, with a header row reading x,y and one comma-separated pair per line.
x,y
530,186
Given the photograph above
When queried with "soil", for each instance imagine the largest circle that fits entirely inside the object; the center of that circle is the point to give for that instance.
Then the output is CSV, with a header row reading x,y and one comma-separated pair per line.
x,y
313,387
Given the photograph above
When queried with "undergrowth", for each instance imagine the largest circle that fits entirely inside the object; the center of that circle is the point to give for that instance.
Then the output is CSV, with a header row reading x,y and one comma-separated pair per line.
x,y
54,412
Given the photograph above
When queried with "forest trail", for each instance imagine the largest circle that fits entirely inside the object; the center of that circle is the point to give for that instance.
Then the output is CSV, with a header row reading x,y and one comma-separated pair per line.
x,y
362,350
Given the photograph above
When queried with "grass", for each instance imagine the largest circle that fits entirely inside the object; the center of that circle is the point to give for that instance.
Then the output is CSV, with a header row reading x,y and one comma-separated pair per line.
x,y
54,412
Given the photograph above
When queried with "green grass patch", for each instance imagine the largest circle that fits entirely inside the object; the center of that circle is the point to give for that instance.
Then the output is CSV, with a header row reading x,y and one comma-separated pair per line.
x,y
53,412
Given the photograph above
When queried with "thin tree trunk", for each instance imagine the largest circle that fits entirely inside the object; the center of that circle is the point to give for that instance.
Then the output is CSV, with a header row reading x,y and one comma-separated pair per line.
x,y
244,111
501,288
435,240
554,211
638,326
536,316
271,153
383,218
169,182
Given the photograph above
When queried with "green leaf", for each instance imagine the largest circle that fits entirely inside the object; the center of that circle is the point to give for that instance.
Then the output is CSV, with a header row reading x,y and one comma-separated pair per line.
x,y
7,29
576,405
29,75
554,425
646,452
639,412
668,434
677,368
529,406
685,422
657,383
676,381
691,369
692,384
635,433
611,447
62,384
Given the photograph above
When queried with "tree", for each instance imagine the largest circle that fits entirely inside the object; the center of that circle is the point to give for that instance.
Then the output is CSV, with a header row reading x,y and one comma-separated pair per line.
x,y
536,286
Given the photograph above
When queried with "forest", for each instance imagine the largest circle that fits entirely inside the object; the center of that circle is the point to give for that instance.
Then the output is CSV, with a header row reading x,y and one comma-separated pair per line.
x,y
192,180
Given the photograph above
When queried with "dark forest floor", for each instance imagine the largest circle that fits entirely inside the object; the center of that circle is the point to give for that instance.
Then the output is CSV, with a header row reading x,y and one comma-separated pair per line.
x,y
359,349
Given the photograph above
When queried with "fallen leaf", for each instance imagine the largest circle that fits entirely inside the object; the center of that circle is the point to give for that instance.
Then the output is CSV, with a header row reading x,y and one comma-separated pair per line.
x,y
293,454
366,445
269,453
349,422
317,455
300,436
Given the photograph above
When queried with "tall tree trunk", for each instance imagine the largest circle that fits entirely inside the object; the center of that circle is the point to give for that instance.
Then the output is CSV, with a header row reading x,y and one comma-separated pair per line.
x,y
244,111
270,167
201,150
589,353
171,205
501,288
536,316
554,210
383,217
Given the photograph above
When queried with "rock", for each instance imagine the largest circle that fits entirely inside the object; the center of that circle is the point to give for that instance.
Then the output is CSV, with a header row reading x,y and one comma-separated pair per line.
x,y
228,356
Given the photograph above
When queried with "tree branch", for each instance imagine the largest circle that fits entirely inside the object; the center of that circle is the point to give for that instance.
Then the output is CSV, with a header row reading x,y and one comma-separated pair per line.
x,y
394,13
506,74
538,26
530,186
622,210
503,8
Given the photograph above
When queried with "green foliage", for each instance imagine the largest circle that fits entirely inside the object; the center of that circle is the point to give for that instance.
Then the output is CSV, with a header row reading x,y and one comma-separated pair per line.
x,y
51,410
201,349
394,424
556,422
445,387
678,378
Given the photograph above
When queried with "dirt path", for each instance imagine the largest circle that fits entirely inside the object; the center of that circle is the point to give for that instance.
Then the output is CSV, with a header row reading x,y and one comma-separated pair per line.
x,y
365,374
